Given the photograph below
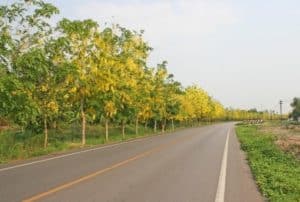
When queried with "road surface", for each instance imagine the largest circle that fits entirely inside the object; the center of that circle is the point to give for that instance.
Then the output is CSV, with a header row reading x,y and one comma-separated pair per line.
x,y
198,164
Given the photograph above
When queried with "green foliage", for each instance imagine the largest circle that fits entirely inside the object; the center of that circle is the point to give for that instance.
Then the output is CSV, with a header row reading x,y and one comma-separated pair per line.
x,y
15,104
296,109
277,173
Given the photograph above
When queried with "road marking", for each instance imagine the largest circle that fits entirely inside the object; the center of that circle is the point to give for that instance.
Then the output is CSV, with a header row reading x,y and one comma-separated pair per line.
x,y
220,195
117,165
71,154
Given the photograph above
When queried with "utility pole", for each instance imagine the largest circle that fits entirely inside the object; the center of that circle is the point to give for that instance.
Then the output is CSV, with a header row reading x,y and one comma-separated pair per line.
x,y
280,103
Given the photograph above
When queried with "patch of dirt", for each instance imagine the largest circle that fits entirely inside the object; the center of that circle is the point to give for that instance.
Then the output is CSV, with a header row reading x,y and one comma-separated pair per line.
x,y
288,138
290,144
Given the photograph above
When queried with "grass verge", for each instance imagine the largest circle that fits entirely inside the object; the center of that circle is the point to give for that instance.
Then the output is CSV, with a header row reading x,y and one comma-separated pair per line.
x,y
277,173
25,144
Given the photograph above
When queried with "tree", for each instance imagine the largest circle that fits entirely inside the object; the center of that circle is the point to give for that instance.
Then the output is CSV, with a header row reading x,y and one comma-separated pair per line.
x,y
138,51
168,89
186,109
105,72
171,92
158,95
216,111
80,82
36,70
24,25
200,102
24,62
130,71
296,109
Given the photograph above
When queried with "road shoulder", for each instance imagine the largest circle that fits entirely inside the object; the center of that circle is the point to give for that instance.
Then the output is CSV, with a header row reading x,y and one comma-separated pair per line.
x,y
240,184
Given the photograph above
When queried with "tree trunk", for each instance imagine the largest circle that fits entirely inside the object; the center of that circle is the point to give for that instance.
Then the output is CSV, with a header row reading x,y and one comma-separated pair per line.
x,y
137,126
155,126
173,127
83,123
146,124
123,129
106,130
163,127
46,132
55,125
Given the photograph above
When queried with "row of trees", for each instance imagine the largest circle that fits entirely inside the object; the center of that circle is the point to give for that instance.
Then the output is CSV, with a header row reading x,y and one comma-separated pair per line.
x,y
77,71
252,114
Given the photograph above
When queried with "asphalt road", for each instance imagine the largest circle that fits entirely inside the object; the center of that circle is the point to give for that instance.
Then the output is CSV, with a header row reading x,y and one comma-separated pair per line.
x,y
199,164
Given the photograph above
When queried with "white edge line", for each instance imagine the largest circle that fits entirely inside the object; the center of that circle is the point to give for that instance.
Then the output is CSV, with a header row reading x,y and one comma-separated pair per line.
x,y
220,195
71,154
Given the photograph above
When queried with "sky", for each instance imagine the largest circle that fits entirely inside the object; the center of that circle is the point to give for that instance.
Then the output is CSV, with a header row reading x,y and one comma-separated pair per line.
x,y
246,54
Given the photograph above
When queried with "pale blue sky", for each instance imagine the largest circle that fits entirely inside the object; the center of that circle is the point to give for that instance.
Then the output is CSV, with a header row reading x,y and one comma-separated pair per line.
x,y
244,53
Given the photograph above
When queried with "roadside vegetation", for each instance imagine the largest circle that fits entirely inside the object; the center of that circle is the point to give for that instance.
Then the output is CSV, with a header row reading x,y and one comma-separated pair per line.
x,y
276,169
22,145
295,115
77,84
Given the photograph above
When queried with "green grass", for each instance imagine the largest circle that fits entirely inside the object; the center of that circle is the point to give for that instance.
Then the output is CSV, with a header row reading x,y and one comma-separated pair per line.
x,y
277,173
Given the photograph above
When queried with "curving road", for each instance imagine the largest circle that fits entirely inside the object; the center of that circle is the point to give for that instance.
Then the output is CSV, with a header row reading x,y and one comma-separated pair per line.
x,y
198,164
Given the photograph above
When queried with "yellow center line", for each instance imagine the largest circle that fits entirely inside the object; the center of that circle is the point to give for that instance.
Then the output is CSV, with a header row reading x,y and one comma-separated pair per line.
x,y
92,175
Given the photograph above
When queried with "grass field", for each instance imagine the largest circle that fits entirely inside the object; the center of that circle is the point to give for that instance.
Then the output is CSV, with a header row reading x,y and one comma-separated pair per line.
x,y
277,173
